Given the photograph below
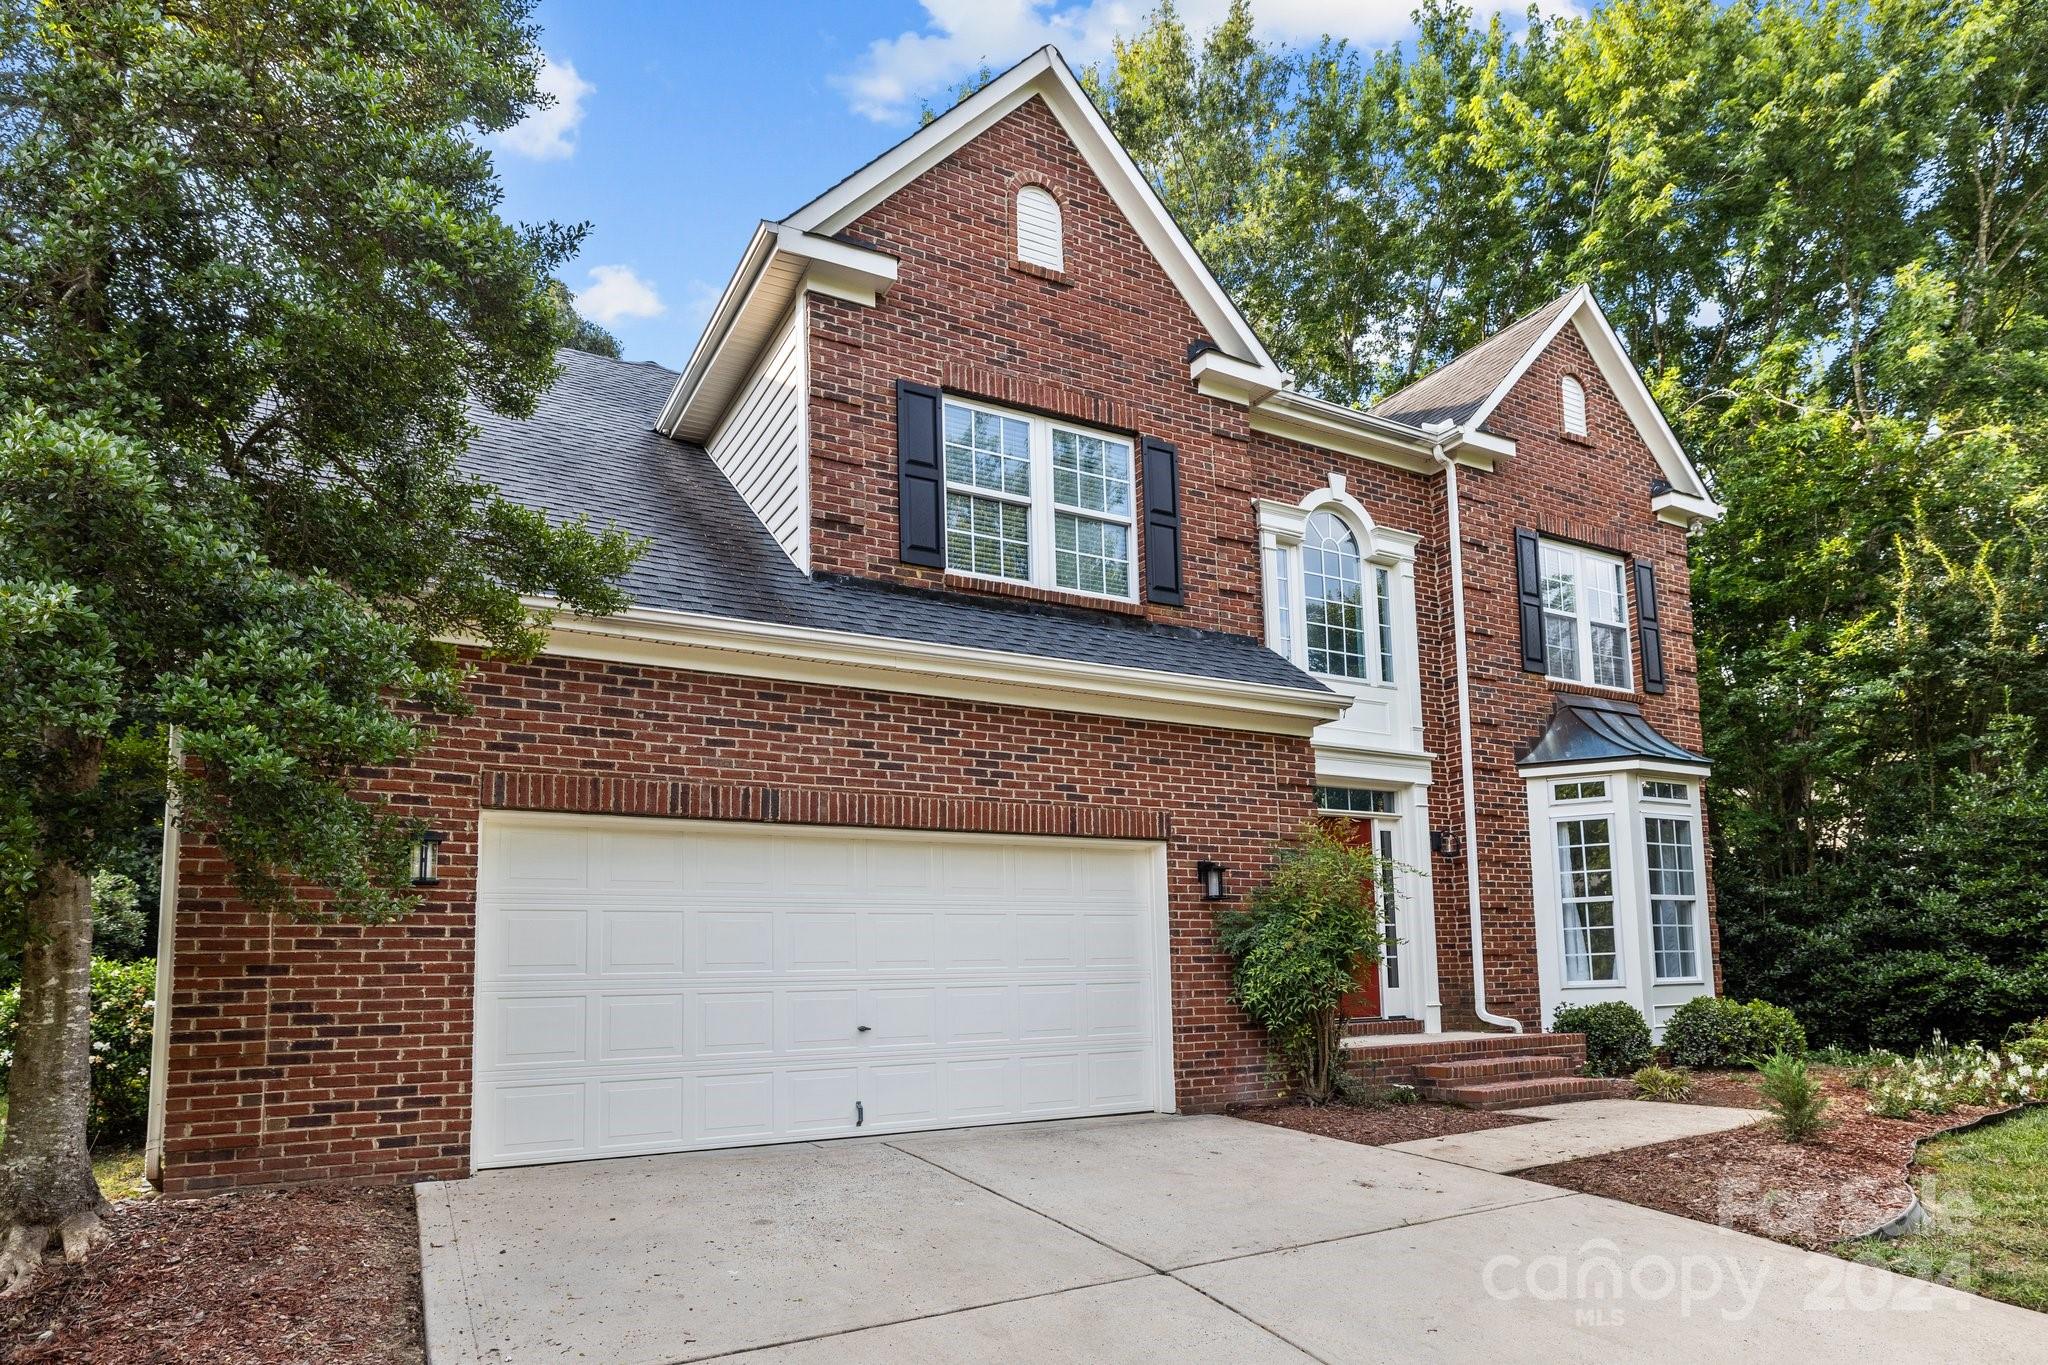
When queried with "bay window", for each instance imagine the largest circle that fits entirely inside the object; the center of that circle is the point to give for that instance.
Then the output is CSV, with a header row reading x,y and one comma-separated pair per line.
x,y
1038,500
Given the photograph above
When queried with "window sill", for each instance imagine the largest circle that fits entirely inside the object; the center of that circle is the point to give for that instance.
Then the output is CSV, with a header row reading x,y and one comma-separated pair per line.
x,y
1041,272
1588,689
1061,597
1575,438
1680,981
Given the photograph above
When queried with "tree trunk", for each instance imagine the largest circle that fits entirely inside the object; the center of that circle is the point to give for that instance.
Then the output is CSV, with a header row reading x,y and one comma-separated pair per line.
x,y
47,1189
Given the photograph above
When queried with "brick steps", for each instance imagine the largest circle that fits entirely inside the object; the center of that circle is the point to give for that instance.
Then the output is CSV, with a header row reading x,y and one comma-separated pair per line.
x,y
1381,1028
1481,1070
1517,1094
1519,1067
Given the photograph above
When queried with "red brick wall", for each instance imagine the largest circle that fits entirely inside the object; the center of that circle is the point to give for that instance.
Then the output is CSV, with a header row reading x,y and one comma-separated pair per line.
x,y
1595,490
1105,341
303,1052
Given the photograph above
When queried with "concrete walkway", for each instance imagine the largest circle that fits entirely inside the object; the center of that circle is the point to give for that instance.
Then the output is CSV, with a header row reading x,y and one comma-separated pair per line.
x,y
1191,1239
1581,1129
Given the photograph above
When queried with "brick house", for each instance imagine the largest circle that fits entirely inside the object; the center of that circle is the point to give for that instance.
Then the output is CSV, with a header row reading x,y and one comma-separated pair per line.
x,y
1004,606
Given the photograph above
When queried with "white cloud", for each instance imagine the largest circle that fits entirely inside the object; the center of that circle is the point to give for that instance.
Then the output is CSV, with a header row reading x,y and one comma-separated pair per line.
x,y
960,36
549,134
616,292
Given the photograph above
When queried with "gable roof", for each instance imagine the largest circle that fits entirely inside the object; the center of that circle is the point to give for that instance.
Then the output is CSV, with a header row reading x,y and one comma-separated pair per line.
x,y
590,450
1454,392
800,251
1462,394
1044,75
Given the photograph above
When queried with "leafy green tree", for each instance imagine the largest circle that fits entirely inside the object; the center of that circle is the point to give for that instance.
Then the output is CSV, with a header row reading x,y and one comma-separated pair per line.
x,y
578,332
251,269
1819,226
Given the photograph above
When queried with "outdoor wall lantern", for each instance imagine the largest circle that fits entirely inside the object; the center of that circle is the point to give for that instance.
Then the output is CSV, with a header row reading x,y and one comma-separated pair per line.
x,y
1445,843
1211,875
426,858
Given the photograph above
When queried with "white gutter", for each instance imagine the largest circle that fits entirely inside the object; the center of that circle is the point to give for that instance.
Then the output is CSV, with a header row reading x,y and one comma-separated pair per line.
x,y
1450,468
166,952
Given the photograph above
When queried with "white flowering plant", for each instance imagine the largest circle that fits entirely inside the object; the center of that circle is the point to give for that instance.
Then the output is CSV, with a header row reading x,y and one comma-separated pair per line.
x,y
1944,1076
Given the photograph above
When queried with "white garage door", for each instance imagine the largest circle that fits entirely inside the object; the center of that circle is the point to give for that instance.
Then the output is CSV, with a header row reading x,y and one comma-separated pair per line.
x,y
651,986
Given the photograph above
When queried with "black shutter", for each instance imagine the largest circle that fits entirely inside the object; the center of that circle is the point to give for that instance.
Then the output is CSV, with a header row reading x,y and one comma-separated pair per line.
x,y
1653,633
920,475
1529,588
1162,522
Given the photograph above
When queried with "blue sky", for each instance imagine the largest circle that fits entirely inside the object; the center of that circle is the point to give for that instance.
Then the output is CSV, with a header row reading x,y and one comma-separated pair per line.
x,y
680,124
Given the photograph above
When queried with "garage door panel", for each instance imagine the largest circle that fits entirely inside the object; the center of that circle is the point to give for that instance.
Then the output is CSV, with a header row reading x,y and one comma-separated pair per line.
x,y
534,1121
1047,1013
535,1030
820,1021
904,1094
734,1023
641,1113
735,942
899,941
818,941
1046,940
976,942
682,984
979,1014
820,1099
900,1016
733,1107
535,942
641,941
640,1027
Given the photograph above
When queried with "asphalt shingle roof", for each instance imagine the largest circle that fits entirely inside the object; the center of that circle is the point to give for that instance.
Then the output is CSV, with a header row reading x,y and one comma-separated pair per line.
x,y
590,450
1457,390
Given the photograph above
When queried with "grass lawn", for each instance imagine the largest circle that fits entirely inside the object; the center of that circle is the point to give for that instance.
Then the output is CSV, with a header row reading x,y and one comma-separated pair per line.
x,y
1988,1192
117,1164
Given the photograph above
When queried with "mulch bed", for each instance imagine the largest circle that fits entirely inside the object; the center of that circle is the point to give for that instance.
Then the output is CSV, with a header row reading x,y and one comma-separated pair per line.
x,y
1376,1127
1809,1194
329,1275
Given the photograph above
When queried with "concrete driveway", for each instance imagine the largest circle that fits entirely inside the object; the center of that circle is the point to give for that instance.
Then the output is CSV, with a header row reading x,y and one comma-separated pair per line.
x,y
1133,1239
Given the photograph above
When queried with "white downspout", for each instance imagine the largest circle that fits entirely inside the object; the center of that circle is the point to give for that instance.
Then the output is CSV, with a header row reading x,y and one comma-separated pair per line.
x,y
166,948
1450,468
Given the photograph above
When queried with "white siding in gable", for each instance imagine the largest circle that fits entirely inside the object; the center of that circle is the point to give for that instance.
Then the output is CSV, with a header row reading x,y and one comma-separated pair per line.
x,y
761,446
1038,229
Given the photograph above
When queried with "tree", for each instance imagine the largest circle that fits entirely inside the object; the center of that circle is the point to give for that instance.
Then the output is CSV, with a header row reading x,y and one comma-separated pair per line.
x,y
251,270
1820,228
578,332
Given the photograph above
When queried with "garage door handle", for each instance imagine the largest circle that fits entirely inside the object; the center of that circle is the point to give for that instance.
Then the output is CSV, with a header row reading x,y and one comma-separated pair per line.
x,y
860,1114
865,1028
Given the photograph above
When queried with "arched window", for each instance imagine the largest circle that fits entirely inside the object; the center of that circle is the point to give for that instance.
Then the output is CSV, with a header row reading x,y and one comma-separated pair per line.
x,y
1333,597
1573,394
1038,229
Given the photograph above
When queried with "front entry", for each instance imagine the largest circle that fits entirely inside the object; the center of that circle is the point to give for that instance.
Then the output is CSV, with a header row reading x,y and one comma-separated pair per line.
x,y
1381,992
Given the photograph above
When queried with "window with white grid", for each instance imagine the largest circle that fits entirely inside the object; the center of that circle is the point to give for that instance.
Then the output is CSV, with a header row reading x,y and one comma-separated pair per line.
x,y
1333,598
1585,615
1039,501
1674,898
1585,876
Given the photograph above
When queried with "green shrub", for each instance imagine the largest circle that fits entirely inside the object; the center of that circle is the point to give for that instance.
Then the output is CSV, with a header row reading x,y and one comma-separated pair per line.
x,y
1793,1096
1296,949
1658,1083
1710,1031
123,1001
1617,1037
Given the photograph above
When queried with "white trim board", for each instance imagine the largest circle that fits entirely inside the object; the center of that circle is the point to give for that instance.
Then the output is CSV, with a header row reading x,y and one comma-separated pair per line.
x,y
728,645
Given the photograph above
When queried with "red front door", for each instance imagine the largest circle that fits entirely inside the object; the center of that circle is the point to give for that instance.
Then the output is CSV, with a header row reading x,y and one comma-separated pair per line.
x,y
1364,1002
